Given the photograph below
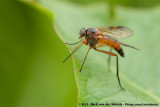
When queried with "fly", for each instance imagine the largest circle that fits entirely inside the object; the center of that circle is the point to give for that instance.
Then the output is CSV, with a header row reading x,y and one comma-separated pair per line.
x,y
104,36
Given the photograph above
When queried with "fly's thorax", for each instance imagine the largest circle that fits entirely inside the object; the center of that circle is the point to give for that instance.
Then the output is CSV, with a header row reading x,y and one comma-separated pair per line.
x,y
91,40
91,34
92,31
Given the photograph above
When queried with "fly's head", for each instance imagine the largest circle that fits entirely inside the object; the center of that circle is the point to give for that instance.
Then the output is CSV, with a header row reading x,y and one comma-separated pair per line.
x,y
82,33
89,32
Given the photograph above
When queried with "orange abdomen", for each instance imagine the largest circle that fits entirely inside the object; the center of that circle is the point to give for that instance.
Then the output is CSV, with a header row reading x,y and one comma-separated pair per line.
x,y
112,44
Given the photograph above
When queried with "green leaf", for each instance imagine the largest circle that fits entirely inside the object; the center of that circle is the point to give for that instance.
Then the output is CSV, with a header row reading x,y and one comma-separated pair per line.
x,y
139,70
31,72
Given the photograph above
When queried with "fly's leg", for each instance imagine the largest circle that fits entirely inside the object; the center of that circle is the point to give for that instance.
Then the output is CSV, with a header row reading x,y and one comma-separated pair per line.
x,y
84,59
85,42
109,59
73,51
112,54
74,43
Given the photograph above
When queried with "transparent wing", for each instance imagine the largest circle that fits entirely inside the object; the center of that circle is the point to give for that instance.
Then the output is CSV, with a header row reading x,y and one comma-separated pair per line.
x,y
116,32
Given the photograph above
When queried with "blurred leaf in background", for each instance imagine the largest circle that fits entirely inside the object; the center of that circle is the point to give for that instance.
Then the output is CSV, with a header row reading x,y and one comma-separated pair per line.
x,y
128,3
31,54
112,3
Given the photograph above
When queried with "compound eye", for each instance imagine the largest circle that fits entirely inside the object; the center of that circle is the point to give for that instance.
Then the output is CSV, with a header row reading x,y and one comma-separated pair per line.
x,y
92,31
82,32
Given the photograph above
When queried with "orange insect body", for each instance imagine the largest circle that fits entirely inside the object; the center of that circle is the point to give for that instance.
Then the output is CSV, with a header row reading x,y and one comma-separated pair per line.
x,y
111,43
104,36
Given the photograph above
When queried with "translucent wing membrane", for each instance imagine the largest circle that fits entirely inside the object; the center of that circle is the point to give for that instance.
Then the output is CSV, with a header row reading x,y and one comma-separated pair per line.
x,y
115,32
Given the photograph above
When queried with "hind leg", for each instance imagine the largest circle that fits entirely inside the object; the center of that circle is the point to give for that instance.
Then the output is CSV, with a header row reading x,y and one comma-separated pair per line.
x,y
109,59
113,54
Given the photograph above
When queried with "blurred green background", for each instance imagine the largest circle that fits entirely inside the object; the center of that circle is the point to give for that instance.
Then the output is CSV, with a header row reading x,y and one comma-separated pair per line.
x,y
31,72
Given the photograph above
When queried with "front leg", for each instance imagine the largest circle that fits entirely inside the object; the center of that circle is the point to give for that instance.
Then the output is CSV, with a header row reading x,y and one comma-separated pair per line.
x,y
85,42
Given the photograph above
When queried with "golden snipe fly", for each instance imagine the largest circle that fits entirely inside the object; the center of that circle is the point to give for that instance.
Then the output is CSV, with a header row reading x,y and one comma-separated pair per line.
x,y
104,36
